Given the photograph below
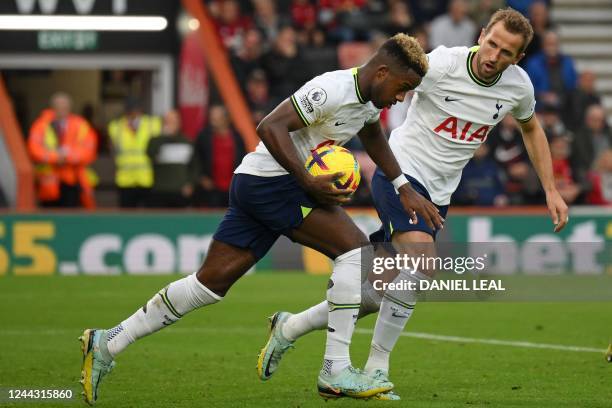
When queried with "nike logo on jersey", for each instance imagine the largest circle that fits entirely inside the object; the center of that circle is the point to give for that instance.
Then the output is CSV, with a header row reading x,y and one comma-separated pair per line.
x,y
338,123
449,99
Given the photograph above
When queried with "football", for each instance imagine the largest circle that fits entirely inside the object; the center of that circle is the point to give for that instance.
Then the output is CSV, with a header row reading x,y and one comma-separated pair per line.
x,y
332,159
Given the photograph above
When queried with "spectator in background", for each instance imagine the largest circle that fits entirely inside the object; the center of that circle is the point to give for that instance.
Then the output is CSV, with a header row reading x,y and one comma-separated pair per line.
x,y
508,150
283,64
267,20
219,149
338,17
130,135
427,10
454,28
601,180
421,35
562,172
174,170
376,13
552,73
258,96
549,114
400,19
588,142
538,17
303,15
579,100
480,182
482,10
231,24
248,57
61,145
312,39
522,6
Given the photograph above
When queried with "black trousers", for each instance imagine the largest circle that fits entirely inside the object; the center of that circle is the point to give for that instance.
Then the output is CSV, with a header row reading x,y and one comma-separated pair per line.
x,y
133,197
70,197
212,198
159,199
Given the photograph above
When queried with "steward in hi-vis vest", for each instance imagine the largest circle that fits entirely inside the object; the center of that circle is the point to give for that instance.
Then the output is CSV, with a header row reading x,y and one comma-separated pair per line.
x,y
130,135
62,145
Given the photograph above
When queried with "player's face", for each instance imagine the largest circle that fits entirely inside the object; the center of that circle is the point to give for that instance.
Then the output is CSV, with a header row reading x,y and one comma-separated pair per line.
x,y
499,48
390,86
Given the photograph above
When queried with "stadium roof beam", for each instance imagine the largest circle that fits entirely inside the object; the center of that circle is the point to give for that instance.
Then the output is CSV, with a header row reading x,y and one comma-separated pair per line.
x,y
83,23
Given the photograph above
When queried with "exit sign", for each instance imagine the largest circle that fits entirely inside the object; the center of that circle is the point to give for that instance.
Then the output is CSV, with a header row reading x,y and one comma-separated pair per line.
x,y
67,40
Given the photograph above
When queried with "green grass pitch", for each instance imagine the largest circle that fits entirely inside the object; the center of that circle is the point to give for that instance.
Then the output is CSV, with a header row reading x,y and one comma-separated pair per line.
x,y
208,359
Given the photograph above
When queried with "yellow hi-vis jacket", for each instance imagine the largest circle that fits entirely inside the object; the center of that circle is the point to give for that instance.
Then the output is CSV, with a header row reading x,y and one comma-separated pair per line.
x,y
133,167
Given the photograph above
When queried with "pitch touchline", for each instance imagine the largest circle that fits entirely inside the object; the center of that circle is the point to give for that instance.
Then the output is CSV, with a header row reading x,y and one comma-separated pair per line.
x,y
527,344
250,330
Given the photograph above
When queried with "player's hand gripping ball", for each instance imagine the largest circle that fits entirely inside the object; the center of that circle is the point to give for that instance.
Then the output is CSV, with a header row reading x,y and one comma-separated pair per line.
x,y
332,159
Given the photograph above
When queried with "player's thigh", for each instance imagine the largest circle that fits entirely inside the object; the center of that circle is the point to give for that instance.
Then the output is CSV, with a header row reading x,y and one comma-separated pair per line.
x,y
329,230
224,265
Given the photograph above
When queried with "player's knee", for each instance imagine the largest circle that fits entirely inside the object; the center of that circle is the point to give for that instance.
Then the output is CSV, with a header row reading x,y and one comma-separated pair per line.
x,y
218,283
345,283
351,242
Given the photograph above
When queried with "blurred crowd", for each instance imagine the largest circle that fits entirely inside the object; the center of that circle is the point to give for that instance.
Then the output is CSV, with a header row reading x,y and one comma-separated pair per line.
x,y
274,47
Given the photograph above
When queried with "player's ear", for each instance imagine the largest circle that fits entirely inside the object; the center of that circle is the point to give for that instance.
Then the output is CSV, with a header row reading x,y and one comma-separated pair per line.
x,y
520,57
382,71
481,36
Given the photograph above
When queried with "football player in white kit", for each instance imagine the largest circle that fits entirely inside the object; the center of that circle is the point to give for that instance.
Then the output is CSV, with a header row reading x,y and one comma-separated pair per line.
x,y
464,94
272,194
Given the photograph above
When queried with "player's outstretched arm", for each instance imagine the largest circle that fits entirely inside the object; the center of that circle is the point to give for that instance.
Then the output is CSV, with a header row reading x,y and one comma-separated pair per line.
x,y
273,131
539,154
375,143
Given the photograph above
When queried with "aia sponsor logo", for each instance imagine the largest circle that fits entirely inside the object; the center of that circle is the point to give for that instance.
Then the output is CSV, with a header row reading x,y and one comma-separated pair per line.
x,y
453,128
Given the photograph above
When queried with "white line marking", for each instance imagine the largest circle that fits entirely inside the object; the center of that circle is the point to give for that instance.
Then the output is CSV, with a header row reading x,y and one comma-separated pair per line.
x,y
495,342
252,330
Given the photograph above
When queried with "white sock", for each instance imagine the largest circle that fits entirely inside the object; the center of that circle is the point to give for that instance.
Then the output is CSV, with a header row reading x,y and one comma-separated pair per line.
x,y
163,309
314,318
343,298
395,311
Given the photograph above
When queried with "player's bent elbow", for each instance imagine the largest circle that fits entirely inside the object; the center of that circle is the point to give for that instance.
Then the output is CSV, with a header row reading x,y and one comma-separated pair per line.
x,y
263,128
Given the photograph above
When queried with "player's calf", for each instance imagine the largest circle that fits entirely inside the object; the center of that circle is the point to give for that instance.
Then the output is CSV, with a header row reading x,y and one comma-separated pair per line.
x,y
165,308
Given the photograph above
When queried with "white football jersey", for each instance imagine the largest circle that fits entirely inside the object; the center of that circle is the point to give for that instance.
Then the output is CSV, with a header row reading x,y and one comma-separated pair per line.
x,y
332,110
451,115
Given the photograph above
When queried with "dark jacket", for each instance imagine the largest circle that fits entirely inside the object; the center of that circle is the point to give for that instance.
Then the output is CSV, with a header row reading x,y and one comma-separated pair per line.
x,y
583,154
537,69
173,162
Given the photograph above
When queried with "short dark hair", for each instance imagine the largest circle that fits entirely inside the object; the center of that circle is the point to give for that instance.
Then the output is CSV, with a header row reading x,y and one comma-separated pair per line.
x,y
514,22
407,51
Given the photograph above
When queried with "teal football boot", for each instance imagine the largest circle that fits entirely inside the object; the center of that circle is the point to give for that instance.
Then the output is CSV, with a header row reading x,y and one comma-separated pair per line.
x,y
270,356
95,365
